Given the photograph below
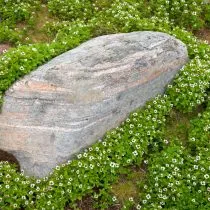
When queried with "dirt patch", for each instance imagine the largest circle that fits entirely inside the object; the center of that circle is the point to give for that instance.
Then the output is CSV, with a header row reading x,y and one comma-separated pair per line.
x,y
5,156
4,47
203,34
87,203
37,33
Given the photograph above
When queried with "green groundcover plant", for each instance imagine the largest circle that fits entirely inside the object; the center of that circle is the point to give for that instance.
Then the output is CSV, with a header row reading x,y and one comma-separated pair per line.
x,y
177,179
179,175
15,10
183,13
191,14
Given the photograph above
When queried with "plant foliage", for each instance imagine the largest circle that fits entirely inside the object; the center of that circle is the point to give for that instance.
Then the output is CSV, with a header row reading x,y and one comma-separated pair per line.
x,y
178,175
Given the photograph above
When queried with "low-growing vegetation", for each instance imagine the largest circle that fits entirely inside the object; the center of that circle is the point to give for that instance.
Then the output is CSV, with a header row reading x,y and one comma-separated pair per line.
x,y
136,165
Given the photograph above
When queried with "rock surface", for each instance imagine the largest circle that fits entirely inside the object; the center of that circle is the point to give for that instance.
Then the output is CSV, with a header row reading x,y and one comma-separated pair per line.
x,y
70,102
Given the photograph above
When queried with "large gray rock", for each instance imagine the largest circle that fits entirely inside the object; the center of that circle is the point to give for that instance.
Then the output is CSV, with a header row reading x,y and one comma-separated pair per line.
x,y
70,102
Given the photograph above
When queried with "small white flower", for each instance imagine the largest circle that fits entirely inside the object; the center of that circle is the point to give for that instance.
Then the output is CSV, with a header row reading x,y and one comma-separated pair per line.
x,y
79,156
23,197
131,126
51,183
114,198
202,169
203,183
69,162
148,196
112,164
135,153
38,181
169,176
166,141
97,149
90,149
138,207
22,68
195,167
192,139
137,146
165,197
206,176
31,192
17,179
8,176
34,49
128,161
91,166
174,160
131,199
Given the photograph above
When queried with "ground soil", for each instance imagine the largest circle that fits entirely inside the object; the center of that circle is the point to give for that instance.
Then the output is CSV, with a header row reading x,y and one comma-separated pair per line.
x,y
4,47
5,156
204,34
87,204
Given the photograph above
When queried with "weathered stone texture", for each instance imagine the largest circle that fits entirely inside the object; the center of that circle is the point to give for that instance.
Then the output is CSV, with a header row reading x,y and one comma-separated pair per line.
x,y
70,102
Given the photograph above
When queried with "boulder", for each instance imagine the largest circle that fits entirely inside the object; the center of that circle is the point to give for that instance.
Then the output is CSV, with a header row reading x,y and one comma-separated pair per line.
x,y
71,101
